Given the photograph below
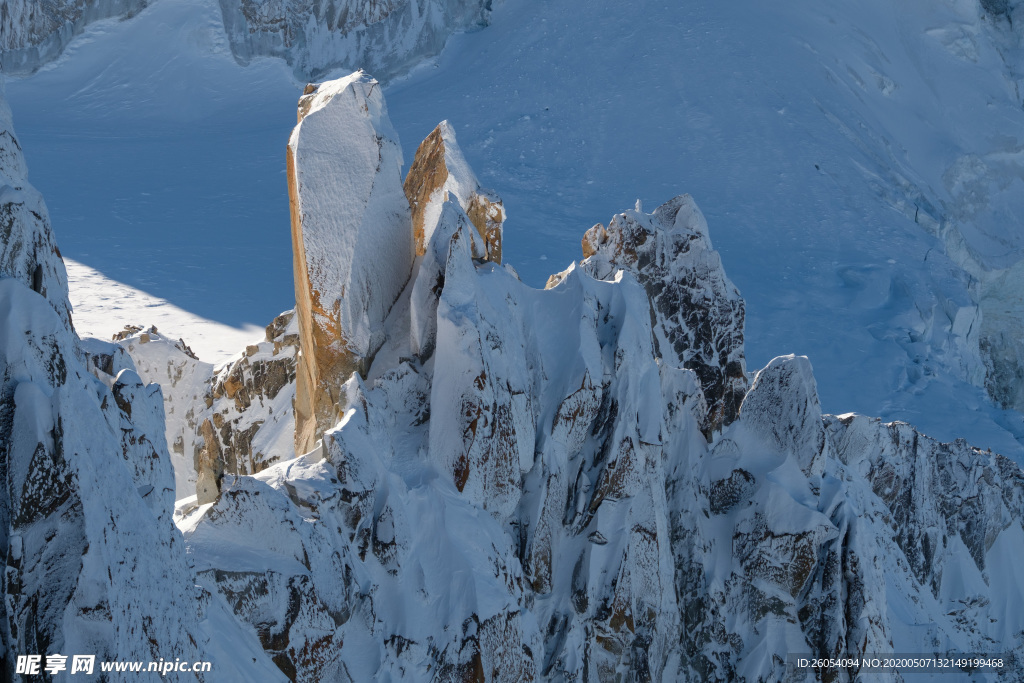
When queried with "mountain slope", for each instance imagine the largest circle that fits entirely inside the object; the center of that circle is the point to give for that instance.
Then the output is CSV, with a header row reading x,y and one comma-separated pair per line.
x,y
92,561
390,35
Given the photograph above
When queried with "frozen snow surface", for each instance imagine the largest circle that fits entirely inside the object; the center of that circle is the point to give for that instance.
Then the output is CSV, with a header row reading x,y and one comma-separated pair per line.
x,y
102,307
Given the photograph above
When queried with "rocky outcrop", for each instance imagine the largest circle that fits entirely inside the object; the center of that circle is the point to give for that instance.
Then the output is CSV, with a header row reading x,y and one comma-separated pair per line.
x,y
33,33
350,237
92,561
235,419
248,422
28,251
383,36
439,173
698,312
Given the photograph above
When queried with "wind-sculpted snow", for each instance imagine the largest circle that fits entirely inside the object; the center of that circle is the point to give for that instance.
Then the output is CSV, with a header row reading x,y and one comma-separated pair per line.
x,y
563,461
382,36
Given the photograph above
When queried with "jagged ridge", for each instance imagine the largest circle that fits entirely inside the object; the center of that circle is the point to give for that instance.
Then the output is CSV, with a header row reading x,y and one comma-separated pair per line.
x,y
565,484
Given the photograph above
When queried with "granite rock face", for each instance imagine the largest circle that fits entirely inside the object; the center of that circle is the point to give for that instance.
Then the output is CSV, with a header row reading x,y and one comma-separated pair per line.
x,y
439,173
352,246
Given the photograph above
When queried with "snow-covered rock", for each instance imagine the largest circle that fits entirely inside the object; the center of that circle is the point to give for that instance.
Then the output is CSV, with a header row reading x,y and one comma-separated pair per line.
x,y
28,251
782,409
235,419
92,561
521,485
698,312
33,33
351,240
508,483
438,173
956,514
382,36
252,400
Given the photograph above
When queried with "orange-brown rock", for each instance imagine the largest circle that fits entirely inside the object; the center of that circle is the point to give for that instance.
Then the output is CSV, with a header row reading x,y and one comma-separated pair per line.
x,y
438,172
210,468
351,241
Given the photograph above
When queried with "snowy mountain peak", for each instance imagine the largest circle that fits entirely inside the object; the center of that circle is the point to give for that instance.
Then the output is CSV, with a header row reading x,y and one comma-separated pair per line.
x,y
698,312
782,407
438,173
351,240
